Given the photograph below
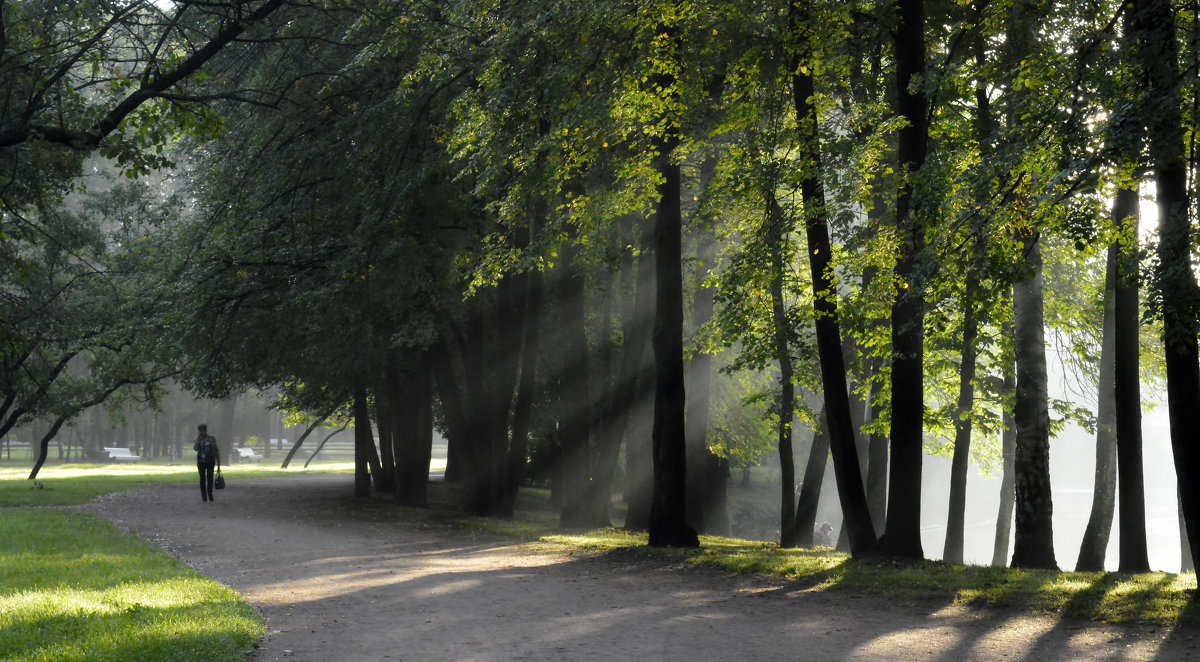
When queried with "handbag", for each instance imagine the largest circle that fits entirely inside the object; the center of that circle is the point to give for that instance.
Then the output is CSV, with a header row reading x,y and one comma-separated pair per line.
x,y
219,483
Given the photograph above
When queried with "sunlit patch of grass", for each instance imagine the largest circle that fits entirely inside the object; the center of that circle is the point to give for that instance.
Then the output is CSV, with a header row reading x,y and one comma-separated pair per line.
x,y
1109,597
73,484
77,588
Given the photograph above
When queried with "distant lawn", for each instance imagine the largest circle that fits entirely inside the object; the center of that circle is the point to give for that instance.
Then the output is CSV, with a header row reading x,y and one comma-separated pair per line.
x,y
74,587
74,484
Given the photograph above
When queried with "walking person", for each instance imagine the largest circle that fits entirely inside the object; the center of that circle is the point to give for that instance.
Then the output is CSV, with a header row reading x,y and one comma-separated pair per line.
x,y
208,457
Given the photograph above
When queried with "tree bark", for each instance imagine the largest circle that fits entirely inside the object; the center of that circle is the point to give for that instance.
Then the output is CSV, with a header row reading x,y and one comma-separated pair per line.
x,y
1153,23
1008,445
579,507
776,235
814,479
952,551
902,533
1034,531
838,419
1127,393
668,505
1094,547
362,438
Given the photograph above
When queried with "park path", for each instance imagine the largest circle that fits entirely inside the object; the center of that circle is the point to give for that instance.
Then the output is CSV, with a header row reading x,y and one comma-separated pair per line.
x,y
344,579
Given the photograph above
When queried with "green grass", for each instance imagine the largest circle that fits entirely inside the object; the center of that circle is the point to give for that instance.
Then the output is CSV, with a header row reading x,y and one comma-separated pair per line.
x,y
1109,597
77,588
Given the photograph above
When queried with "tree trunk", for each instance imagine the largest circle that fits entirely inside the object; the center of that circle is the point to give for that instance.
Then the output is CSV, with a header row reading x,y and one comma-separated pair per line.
x,y
300,442
706,484
1034,532
902,534
579,510
1094,547
810,489
776,235
952,551
526,383
1128,394
839,422
668,516
1008,446
1153,21
362,439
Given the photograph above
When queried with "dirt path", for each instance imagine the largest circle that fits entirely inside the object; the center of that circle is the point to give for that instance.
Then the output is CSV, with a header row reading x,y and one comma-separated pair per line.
x,y
338,579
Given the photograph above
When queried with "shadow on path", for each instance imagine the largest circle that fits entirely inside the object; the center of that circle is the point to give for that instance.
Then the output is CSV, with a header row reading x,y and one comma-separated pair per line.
x,y
337,579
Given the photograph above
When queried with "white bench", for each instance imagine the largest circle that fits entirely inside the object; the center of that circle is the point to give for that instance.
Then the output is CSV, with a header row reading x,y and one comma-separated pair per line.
x,y
248,455
121,455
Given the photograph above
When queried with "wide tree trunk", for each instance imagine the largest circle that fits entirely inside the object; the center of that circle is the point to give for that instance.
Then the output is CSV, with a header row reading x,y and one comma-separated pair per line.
x,y
668,505
1153,23
1094,547
668,517
902,534
410,398
1034,530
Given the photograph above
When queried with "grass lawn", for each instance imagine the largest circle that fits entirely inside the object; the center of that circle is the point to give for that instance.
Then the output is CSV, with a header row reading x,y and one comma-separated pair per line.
x,y
74,587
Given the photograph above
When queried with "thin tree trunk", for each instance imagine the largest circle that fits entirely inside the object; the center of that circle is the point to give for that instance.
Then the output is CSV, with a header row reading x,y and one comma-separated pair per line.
x,y
300,442
578,508
952,551
1008,445
776,235
526,384
1094,547
362,438
1128,394
840,424
814,479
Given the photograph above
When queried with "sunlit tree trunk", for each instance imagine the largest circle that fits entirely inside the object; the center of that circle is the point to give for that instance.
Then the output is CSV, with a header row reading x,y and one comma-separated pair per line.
x,y
1008,449
1093,548
1034,530
1127,392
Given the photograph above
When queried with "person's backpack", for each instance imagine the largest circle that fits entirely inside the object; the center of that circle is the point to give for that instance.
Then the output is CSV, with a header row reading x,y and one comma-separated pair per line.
x,y
208,451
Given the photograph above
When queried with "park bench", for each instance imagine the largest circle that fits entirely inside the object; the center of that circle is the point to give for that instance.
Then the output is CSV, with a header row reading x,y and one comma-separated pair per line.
x,y
247,455
121,455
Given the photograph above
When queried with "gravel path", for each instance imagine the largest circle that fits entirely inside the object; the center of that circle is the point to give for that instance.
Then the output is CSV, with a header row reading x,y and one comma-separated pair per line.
x,y
342,579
